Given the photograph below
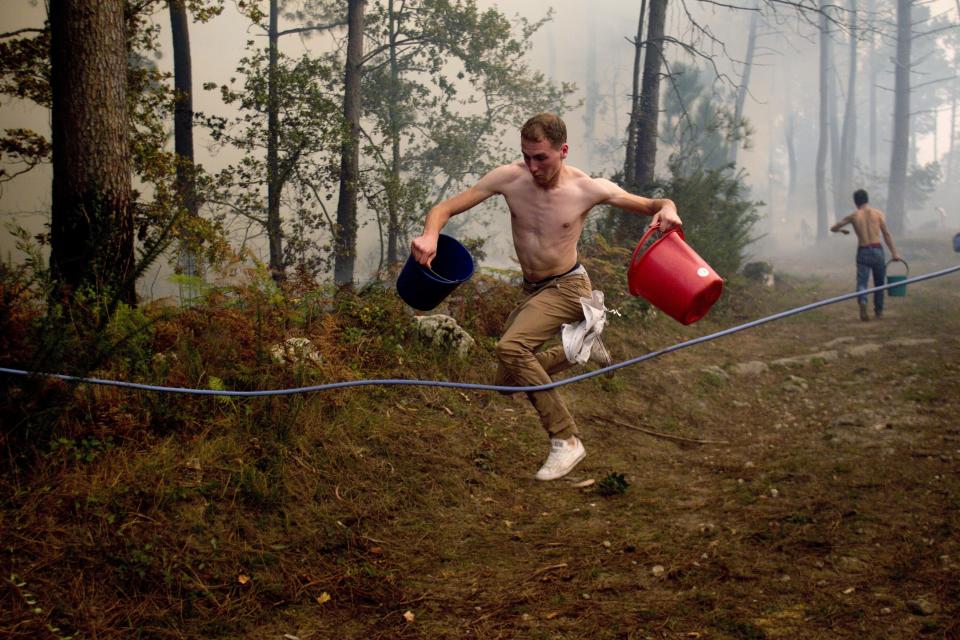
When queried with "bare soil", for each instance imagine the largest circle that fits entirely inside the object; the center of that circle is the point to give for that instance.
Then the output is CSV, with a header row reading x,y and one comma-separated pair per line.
x,y
796,480
823,502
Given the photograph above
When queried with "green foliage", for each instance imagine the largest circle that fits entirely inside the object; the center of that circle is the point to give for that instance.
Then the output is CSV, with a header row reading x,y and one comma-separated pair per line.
x,y
430,65
308,161
921,182
697,123
85,449
718,218
614,484
30,600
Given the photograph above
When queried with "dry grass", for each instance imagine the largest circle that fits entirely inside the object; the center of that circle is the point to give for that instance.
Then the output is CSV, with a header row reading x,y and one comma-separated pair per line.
x,y
829,512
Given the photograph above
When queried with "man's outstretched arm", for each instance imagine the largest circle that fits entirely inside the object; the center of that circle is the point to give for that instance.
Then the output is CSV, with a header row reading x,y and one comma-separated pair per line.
x,y
838,227
663,210
424,247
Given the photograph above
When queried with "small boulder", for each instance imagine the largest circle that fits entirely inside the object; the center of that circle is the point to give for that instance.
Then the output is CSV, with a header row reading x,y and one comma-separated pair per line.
x,y
443,332
295,351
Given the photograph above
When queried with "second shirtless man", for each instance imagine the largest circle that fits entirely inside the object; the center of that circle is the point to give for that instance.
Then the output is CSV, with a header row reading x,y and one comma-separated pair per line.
x,y
870,225
549,202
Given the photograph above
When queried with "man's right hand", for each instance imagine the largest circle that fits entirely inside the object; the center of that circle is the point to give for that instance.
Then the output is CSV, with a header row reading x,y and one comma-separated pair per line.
x,y
424,249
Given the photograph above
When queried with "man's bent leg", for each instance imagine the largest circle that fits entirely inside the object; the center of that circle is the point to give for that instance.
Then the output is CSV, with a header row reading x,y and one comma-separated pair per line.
x,y
863,275
879,279
537,319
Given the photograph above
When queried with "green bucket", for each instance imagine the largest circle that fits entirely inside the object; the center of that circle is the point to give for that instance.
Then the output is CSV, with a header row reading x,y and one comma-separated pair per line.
x,y
900,290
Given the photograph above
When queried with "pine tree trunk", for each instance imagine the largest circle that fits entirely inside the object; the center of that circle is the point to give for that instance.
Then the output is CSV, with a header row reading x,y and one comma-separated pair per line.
x,y
848,136
274,181
646,157
183,127
900,150
630,227
872,123
346,236
744,82
630,163
822,143
92,221
393,181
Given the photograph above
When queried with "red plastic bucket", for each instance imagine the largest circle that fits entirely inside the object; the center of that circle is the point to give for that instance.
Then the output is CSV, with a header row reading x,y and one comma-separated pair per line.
x,y
672,277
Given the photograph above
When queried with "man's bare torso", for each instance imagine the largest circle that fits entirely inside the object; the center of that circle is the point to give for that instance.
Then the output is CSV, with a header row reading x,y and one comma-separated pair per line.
x,y
547,222
868,224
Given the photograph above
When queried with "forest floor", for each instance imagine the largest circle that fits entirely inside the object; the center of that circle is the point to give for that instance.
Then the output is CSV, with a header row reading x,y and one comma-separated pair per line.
x,y
797,480
822,501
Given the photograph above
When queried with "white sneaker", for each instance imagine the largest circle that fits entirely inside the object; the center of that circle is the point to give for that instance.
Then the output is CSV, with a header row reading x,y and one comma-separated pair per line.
x,y
599,353
562,459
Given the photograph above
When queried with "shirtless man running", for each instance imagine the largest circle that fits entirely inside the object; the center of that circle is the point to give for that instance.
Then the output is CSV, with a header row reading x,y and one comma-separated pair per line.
x,y
549,202
869,224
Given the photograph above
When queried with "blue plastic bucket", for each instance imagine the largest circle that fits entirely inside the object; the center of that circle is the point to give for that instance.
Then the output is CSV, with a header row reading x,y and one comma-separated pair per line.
x,y
424,288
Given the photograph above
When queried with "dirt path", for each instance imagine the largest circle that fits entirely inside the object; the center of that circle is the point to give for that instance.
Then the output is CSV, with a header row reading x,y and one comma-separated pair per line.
x,y
827,505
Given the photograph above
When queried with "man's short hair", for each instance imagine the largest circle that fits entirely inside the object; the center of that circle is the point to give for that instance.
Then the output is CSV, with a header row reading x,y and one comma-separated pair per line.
x,y
860,197
545,126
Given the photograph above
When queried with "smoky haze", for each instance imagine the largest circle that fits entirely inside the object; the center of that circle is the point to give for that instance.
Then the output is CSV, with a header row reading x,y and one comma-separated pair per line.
x,y
589,44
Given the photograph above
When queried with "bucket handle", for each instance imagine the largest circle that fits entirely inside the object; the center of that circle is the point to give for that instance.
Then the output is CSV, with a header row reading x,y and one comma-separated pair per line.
x,y
900,260
437,275
646,236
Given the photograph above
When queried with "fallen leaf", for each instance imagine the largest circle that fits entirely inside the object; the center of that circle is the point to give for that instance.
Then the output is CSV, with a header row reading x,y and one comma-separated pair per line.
x,y
376,550
583,483
243,579
408,616
552,615
323,597
849,590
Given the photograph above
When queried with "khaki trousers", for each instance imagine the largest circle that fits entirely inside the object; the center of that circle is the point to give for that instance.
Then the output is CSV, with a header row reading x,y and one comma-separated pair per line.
x,y
542,310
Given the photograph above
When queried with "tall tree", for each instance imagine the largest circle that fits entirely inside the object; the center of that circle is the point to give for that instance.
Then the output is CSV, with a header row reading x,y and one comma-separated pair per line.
x,y
650,95
872,107
346,233
744,86
630,162
186,189
591,85
92,222
274,179
441,81
848,134
820,172
900,148
648,113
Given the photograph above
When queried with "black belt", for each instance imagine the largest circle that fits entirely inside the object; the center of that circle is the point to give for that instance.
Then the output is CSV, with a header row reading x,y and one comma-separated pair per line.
x,y
540,283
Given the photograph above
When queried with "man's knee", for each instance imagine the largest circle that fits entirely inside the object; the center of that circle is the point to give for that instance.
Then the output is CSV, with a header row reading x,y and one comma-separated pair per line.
x,y
509,351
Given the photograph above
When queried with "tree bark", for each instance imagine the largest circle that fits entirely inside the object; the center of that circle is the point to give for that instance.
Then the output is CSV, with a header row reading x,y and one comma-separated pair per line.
x,y
872,124
346,237
848,134
744,82
822,142
630,162
646,158
394,182
183,127
274,180
92,221
900,150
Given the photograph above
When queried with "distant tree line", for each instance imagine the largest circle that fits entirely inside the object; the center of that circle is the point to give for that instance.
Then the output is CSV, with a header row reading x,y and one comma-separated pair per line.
x,y
408,102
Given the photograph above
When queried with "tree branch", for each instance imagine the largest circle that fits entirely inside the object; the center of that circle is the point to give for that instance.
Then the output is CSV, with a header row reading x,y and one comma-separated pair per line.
x,y
13,34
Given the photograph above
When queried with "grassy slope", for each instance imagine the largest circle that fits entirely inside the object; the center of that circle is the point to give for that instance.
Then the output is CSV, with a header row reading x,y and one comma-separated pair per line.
x,y
829,509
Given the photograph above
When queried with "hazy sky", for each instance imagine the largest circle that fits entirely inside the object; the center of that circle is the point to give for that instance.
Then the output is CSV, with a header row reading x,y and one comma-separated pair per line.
x,y
560,49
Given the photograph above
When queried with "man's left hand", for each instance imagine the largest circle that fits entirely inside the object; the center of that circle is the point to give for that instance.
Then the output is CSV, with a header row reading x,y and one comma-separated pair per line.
x,y
667,217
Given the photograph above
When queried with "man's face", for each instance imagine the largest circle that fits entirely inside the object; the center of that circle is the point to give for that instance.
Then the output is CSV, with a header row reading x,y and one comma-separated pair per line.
x,y
543,160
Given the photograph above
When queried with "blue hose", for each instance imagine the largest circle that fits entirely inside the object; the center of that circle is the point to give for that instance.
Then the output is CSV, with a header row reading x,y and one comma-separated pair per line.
x,y
481,387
